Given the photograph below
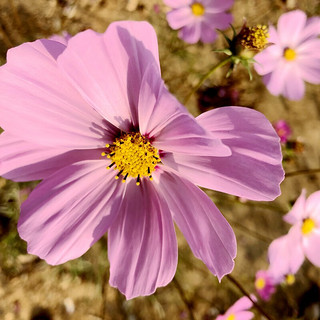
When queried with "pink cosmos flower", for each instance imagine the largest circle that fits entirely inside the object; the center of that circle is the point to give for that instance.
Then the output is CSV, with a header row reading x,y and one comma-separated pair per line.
x,y
72,112
287,253
264,284
293,56
198,19
239,310
283,130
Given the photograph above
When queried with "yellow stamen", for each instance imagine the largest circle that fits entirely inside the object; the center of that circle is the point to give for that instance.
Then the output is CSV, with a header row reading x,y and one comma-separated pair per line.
x,y
260,283
254,38
231,317
289,54
308,226
197,9
134,156
290,279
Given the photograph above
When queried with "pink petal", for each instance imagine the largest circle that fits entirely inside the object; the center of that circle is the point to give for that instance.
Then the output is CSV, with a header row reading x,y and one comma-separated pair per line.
x,y
191,33
208,33
38,104
208,234
290,27
142,244
273,36
293,86
311,245
268,59
215,6
298,211
177,3
311,30
218,20
244,315
286,254
69,211
276,81
167,123
180,17
254,169
312,208
25,161
107,69
308,61
242,304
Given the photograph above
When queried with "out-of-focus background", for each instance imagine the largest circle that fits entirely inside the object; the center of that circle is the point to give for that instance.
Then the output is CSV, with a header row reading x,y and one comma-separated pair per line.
x,y
79,289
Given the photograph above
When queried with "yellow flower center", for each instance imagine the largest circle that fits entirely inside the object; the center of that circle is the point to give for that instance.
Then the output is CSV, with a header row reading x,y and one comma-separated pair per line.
x,y
290,279
307,226
133,155
231,317
260,283
197,9
289,54
254,38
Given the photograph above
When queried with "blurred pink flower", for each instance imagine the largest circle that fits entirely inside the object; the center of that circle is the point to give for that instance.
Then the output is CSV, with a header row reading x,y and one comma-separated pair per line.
x,y
293,56
239,310
287,253
72,112
63,38
199,19
283,130
264,284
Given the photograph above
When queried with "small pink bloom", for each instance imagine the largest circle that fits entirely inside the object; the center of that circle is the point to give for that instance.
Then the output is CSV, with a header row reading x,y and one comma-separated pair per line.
x,y
70,112
239,310
283,130
264,284
293,56
199,19
287,253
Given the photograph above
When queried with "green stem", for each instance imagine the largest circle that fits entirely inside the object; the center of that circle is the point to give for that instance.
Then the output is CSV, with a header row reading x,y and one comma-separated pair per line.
x,y
240,287
206,76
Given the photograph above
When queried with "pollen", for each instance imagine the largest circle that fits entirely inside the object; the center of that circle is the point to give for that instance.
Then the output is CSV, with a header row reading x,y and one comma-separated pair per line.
x,y
133,156
260,283
289,54
231,317
290,279
308,226
197,9
254,38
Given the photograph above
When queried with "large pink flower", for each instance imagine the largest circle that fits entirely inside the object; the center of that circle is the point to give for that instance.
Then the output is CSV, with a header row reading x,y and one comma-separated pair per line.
x,y
239,310
198,19
287,253
293,56
72,112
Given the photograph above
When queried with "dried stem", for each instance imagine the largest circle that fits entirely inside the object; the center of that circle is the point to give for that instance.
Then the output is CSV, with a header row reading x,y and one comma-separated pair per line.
x,y
240,287
306,171
184,298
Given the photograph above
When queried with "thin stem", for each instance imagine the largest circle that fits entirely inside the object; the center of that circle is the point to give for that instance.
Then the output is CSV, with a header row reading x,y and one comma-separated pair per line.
x,y
184,298
306,171
240,287
206,76
250,232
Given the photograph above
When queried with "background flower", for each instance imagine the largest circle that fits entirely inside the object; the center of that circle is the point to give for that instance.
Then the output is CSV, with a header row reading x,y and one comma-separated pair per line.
x,y
264,284
198,19
239,310
294,56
